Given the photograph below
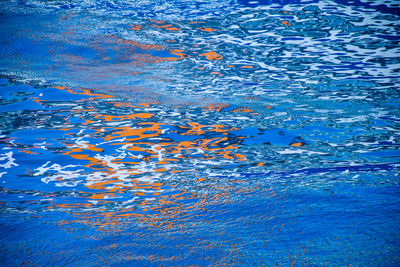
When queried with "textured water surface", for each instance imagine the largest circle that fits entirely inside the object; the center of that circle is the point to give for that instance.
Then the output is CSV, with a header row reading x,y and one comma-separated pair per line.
x,y
203,133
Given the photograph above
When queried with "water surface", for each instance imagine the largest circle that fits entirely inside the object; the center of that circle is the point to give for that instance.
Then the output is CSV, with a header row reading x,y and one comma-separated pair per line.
x,y
205,133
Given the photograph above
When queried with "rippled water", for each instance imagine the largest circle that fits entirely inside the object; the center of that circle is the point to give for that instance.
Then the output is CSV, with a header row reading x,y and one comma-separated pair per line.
x,y
203,133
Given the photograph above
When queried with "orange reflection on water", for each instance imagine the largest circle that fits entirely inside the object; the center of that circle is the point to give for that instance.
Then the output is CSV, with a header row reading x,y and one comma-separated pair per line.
x,y
216,106
123,117
136,27
159,24
136,180
168,27
207,29
212,56
85,92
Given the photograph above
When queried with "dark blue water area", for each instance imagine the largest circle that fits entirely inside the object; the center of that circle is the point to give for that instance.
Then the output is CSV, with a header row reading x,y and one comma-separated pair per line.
x,y
199,133
352,229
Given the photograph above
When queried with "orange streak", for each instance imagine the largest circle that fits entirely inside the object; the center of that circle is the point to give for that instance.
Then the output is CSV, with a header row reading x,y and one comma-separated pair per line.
x,y
207,29
168,27
126,117
29,152
212,56
243,109
297,144
137,27
157,21
216,106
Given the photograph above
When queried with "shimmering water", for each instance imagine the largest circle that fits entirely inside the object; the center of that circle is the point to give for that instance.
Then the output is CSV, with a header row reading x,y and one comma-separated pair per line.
x,y
203,133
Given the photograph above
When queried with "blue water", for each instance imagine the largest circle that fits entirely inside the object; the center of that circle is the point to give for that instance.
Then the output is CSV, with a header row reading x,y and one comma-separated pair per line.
x,y
199,133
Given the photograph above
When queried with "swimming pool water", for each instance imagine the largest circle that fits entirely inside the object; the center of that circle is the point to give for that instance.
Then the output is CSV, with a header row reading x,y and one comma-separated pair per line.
x,y
202,133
